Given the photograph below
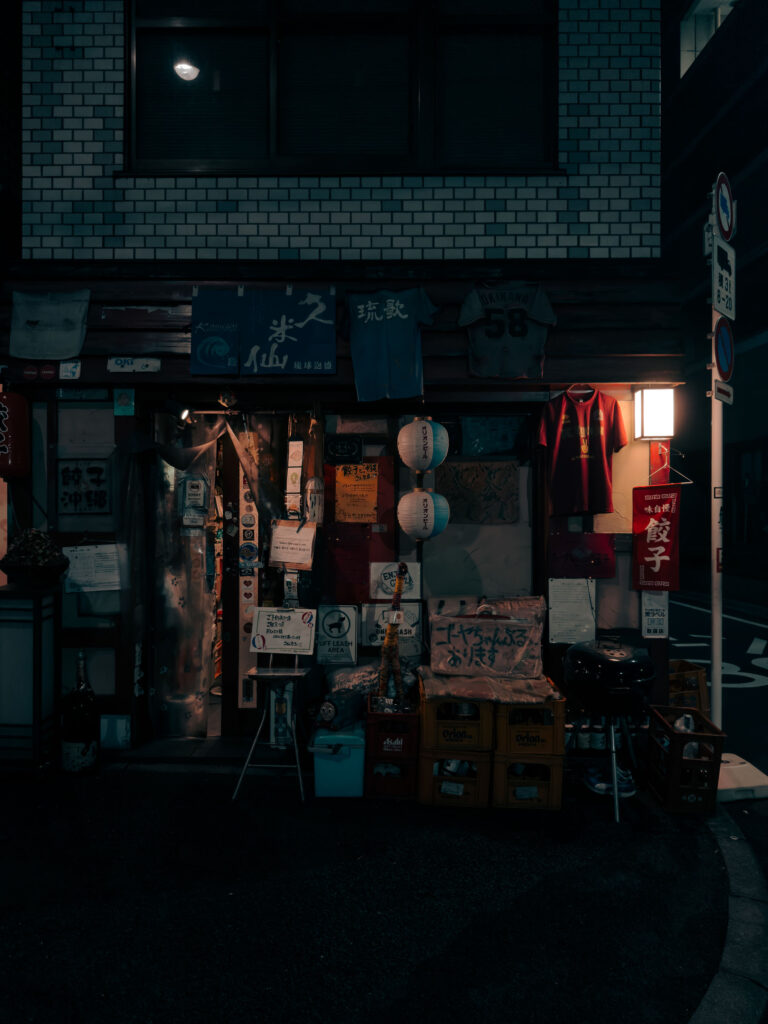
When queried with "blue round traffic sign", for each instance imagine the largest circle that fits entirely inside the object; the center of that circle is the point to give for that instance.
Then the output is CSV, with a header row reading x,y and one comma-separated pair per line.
x,y
724,207
724,348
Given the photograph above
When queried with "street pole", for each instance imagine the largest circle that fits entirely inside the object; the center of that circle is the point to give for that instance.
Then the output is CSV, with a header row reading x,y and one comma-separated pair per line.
x,y
716,541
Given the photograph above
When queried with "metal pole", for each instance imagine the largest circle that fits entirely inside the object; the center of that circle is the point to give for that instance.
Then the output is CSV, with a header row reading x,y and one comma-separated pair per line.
x,y
716,542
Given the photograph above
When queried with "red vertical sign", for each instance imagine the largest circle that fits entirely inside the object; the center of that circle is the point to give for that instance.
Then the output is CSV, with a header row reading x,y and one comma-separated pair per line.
x,y
655,531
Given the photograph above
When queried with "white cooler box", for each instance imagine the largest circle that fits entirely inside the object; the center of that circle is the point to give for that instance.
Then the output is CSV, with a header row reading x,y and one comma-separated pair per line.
x,y
339,761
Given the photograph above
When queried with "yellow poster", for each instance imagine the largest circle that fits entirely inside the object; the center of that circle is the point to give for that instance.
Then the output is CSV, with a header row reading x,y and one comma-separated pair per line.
x,y
357,489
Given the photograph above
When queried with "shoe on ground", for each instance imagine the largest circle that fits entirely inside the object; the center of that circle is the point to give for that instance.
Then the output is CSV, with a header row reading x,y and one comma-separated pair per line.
x,y
599,781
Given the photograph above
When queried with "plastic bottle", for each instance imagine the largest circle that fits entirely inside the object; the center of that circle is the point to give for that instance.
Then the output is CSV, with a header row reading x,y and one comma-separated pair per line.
x,y
584,735
685,723
599,739
80,723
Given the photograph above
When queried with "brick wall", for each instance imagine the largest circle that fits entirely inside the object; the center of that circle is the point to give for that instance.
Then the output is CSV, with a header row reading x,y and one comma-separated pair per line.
x,y
76,204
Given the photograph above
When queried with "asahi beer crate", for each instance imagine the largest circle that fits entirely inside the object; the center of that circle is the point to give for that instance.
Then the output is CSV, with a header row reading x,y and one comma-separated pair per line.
x,y
456,723
391,735
530,782
684,765
391,779
454,779
530,728
688,686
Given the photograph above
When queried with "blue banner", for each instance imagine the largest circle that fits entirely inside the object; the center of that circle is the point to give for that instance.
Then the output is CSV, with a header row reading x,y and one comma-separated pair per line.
x,y
291,331
215,331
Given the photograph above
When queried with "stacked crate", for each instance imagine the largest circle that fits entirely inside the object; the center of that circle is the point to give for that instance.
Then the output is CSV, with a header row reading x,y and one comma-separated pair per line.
x,y
391,752
456,749
529,753
684,766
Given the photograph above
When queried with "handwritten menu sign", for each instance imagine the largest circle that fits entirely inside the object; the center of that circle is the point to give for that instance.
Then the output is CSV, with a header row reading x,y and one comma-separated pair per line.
x,y
293,544
357,488
283,631
480,645
84,486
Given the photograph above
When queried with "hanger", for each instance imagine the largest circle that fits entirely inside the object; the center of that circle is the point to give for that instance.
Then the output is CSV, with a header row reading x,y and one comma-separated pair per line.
x,y
579,389
668,465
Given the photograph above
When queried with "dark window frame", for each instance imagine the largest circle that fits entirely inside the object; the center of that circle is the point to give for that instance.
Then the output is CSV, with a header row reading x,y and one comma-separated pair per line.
x,y
424,25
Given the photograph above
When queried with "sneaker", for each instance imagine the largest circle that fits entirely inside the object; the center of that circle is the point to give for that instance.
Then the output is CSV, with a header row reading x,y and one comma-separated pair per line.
x,y
599,781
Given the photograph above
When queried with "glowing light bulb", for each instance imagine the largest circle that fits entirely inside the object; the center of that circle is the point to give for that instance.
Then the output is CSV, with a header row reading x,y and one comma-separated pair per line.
x,y
186,70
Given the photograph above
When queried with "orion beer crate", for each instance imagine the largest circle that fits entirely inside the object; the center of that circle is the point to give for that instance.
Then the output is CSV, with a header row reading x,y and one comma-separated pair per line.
x,y
531,728
457,723
532,782
684,766
688,686
454,779
391,735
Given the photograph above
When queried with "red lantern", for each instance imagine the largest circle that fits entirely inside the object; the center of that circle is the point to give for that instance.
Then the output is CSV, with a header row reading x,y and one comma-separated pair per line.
x,y
14,435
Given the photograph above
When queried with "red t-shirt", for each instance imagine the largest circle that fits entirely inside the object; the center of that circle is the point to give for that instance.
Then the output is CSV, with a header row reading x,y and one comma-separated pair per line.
x,y
581,435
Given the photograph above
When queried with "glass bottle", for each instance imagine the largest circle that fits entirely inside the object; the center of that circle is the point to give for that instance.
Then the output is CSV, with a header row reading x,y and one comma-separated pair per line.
x,y
80,723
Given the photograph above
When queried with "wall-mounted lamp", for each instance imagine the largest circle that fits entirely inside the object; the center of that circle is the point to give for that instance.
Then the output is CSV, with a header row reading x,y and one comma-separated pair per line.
x,y
654,414
186,70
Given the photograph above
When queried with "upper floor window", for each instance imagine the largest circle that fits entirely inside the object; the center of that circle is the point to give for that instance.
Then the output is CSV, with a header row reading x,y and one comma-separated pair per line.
x,y
702,20
339,86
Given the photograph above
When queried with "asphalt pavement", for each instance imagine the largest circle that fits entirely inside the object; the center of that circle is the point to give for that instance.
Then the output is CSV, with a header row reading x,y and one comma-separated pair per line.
x,y
144,894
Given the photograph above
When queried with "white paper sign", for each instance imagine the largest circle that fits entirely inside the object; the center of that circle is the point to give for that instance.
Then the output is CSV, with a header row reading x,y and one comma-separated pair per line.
x,y
384,575
92,567
293,544
337,634
572,611
655,613
376,617
283,631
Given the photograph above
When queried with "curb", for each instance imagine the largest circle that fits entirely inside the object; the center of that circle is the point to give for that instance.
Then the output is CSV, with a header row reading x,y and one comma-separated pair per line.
x,y
739,990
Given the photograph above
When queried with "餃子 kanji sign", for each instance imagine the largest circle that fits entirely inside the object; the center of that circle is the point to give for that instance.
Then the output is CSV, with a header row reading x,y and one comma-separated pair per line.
x,y
655,531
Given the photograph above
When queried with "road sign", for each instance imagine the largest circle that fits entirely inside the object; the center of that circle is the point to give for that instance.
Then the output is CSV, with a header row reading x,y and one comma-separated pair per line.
x,y
723,392
724,352
725,208
724,279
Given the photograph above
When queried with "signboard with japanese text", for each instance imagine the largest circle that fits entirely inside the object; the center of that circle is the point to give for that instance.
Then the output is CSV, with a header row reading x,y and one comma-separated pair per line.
x,y
655,613
655,531
84,487
724,279
290,331
283,631
357,493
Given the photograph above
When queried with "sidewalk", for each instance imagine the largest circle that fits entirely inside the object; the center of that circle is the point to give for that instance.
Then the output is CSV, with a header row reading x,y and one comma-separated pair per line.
x,y
147,896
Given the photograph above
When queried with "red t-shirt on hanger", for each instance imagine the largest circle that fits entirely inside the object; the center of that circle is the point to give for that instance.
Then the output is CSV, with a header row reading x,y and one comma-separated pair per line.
x,y
581,433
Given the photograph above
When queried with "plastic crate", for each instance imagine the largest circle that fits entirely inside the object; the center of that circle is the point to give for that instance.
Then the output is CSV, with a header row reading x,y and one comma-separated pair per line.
x,y
391,735
684,784
458,781
530,728
530,783
688,686
392,779
456,723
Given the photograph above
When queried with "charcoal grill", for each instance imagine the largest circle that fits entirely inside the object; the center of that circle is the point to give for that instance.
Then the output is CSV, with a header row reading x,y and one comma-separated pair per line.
x,y
611,679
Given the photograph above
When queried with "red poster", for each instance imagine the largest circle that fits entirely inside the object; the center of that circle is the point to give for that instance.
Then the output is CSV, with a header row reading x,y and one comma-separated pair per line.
x,y
656,537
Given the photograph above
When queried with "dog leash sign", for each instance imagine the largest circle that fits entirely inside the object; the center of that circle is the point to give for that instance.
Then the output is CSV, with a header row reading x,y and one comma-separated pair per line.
x,y
337,634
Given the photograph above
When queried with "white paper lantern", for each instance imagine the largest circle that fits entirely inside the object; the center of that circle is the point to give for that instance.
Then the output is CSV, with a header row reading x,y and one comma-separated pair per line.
x,y
422,445
423,514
